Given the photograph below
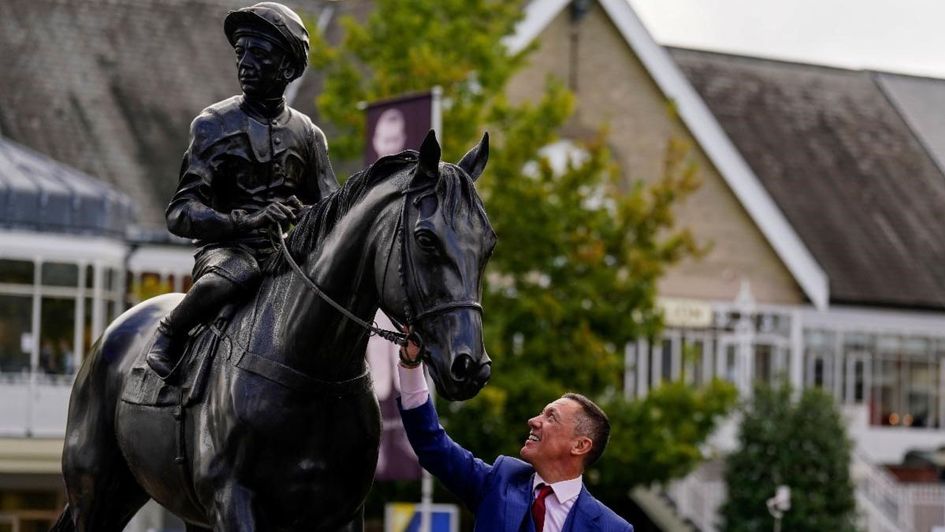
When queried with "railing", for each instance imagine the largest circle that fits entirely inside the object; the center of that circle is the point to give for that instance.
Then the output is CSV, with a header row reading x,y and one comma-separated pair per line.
x,y
879,488
890,505
34,404
884,504
698,498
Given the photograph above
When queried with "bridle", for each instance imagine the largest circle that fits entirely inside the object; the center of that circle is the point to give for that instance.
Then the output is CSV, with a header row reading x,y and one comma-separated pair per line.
x,y
405,269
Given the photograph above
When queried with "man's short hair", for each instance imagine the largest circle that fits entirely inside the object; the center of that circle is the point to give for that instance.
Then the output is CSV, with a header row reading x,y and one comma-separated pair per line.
x,y
593,423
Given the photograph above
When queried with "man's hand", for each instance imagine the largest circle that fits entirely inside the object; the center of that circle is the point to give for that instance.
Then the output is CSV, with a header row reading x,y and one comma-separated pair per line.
x,y
410,354
283,214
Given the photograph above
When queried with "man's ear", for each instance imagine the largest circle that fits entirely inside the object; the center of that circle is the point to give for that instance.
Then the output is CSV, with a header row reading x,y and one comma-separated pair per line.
x,y
581,446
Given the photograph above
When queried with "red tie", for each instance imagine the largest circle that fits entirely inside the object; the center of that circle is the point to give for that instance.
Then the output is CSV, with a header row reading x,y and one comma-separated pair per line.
x,y
538,507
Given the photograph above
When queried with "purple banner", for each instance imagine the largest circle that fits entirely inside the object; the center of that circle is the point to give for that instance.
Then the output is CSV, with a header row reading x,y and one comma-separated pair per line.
x,y
396,460
396,125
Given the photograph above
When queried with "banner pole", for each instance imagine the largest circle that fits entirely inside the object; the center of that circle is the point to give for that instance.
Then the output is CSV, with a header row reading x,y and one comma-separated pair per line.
x,y
436,114
426,480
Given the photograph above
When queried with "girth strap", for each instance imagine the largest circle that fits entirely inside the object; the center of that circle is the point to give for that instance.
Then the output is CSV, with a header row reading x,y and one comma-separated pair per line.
x,y
296,380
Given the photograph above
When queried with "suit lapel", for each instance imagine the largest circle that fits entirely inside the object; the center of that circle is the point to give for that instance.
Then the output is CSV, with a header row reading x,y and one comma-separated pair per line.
x,y
517,504
584,514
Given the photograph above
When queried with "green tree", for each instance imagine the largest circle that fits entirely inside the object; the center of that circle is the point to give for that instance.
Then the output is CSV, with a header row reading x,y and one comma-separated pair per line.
x,y
573,278
801,444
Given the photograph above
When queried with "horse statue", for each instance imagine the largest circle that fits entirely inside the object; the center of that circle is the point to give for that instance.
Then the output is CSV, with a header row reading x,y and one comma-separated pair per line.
x,y
276,427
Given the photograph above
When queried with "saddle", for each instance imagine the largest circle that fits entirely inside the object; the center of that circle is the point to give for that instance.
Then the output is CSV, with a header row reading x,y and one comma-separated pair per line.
x,y
189,380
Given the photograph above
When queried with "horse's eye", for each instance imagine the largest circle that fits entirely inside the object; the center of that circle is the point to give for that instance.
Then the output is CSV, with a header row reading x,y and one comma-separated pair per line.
x,y
426,240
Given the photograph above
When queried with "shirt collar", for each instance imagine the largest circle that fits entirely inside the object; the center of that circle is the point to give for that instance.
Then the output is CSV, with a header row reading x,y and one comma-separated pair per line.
x,y
271,110
564,490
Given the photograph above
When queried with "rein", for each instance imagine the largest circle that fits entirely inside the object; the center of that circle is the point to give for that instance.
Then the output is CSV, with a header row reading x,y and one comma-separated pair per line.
x,y
391,336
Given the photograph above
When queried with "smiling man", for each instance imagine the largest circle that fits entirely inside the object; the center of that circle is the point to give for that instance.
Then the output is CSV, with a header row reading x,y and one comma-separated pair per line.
x,y
543,493
253,162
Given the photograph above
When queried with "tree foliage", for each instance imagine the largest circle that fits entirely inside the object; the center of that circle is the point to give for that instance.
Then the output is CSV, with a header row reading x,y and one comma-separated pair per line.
x,y
581,248
801,444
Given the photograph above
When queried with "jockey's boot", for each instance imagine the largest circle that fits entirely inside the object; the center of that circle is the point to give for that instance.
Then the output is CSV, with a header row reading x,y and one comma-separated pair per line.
x,y
165,352
204,300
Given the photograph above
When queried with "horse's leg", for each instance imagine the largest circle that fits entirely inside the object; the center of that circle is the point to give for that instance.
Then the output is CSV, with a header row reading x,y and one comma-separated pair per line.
x,y
233,509
102,493
107,497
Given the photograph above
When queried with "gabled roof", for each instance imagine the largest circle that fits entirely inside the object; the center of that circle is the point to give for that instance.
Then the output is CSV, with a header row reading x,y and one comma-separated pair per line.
x,y
855,181
921,102
693,111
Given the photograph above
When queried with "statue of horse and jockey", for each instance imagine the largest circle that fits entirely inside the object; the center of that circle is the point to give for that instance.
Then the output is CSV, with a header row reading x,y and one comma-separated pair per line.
x,y
247,405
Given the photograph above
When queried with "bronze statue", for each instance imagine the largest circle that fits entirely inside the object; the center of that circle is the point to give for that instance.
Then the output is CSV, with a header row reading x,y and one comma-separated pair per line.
x,y
276,427
270,423
252,163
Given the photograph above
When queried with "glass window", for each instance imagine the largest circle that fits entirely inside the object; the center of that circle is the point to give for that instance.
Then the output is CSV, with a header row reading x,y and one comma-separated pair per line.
x,y
729,361
15,332
921,395
87,339
905,386
883,403
16,272
764,363
819,372
693,352
666,362
150,285
819,353
56,352
60,274
89,277
111,279
115,308
859,381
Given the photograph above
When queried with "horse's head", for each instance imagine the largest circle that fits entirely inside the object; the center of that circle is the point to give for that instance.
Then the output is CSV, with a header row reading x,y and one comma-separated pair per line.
x,y
444,244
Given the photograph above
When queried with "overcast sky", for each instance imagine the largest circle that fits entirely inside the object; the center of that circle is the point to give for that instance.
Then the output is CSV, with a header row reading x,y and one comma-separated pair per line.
x,y
906,36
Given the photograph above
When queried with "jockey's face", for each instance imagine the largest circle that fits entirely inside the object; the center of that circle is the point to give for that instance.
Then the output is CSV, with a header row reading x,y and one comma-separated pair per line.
x,y
260,66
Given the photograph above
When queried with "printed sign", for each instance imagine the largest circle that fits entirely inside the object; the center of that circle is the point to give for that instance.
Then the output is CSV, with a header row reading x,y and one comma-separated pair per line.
x,y
396,125
396,460
405,517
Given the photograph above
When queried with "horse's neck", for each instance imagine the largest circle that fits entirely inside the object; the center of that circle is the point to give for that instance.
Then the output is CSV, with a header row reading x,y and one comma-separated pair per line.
x,y
306,332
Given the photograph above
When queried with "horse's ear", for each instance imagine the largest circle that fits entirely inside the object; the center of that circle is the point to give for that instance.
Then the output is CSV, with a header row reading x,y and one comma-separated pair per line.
x,y
429,166
474,162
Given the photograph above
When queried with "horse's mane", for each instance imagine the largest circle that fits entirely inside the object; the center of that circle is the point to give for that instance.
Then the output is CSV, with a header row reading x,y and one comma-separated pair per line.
x,y
453,185
321,218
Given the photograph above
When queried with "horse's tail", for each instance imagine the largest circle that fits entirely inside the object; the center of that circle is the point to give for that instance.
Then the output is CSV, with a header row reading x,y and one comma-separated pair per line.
x,y
64,523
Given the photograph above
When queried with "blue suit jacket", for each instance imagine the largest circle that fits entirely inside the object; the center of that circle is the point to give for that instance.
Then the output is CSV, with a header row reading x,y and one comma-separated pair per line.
x,y
499,494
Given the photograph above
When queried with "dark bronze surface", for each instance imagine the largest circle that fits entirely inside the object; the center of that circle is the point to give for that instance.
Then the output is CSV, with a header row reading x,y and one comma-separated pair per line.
x,y
252,163
270,422
263,450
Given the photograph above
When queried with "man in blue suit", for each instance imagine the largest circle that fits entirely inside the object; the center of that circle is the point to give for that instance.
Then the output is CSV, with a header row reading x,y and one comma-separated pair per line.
x,y
543,493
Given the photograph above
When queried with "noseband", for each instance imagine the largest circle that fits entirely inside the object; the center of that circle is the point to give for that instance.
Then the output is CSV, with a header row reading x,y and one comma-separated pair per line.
x,y
412,317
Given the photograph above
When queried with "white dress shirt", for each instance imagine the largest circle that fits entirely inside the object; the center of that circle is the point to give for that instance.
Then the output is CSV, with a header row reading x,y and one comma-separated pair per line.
x,y
559,503
414,393
413,387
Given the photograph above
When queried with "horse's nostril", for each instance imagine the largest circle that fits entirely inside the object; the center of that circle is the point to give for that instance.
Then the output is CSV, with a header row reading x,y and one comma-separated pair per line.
x,y
462,367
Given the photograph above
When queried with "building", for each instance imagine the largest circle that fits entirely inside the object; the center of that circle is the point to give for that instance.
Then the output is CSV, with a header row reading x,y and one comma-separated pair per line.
x,y
62,269
820,193
820,189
